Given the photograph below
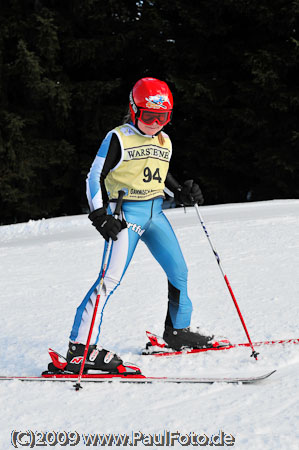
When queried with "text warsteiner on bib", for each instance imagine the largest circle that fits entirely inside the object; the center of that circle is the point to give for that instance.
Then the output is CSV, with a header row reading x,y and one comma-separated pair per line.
x,y
143,167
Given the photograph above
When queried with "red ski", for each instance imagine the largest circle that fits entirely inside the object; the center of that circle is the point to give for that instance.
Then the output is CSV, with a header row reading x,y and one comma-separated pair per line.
x,y
158,347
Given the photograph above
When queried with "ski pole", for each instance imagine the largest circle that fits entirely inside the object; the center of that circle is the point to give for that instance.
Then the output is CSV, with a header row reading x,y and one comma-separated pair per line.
x,y
105,262
254,353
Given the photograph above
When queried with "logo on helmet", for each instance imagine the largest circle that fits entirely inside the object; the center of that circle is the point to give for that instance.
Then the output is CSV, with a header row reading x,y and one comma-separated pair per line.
x,y
156,101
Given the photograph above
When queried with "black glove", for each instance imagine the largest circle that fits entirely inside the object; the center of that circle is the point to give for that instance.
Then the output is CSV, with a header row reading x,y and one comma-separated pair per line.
x,y
106,224
188,194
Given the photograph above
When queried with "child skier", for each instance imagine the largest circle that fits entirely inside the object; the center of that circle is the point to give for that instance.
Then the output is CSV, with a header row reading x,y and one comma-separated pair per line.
x,y
135,157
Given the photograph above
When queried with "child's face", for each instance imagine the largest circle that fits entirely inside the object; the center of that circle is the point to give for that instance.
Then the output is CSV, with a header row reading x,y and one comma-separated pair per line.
x,y
149,129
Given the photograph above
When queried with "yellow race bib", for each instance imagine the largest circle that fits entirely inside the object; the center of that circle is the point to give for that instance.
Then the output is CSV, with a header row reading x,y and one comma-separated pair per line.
x,y
143,167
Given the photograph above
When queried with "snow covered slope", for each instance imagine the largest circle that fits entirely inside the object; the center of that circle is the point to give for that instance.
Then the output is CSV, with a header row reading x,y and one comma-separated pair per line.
x,y
47,267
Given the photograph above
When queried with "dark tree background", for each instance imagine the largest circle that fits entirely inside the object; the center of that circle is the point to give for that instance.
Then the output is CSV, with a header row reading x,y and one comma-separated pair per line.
x,y
66,68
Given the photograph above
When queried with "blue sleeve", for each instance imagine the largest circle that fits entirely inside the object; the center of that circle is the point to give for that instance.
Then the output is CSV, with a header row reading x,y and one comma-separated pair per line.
x,y
93,185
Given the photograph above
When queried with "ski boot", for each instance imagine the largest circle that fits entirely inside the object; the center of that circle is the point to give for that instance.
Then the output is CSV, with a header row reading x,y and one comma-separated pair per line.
x,y
97,359
179,339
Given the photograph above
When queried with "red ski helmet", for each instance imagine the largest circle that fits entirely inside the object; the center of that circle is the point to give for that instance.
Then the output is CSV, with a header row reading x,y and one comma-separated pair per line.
x,y
151,100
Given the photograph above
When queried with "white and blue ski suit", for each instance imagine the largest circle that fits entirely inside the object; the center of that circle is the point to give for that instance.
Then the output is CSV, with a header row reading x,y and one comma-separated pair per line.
x,y
138,164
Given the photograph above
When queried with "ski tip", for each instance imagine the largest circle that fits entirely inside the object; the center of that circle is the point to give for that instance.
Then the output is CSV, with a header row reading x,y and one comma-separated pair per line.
x,y
262,377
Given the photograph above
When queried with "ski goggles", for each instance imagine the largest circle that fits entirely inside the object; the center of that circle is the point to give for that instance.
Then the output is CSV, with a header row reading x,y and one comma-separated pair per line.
x,y
149,117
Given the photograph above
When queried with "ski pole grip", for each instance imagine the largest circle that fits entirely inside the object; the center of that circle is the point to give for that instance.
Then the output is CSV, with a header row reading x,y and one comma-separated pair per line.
x,y
119,203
